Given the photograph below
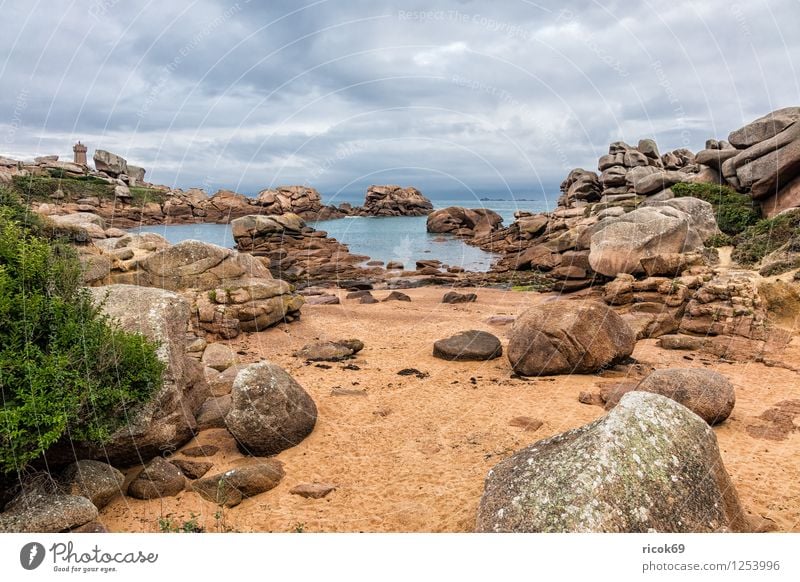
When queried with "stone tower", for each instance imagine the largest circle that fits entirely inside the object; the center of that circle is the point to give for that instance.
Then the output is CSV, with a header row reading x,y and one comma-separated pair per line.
x,y
80,153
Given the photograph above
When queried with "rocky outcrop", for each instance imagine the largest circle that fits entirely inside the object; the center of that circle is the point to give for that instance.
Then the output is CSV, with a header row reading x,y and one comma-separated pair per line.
x,y
466,222
270,411
231,292
301,200
568,338
648,465
767,164
394,201
298,252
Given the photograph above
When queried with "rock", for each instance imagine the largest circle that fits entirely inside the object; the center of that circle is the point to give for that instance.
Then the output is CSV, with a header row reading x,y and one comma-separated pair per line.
x,y
213,411
457,220
648,465
325,299
201,451
329,351
649,148
94,268
192,469
501,319
231,487
708,394
657,181
218,356
455,297
526,423
48,514
764,128
367,298
568,338
163,422
313,490
538,257
701,213
270,410
396,296
135,175
467,346
98,482
111,164
533,225
619,244
395,201
159,478
680,342
395,266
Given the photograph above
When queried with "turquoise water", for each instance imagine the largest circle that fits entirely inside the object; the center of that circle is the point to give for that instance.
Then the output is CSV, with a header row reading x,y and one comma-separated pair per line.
x,y
384,239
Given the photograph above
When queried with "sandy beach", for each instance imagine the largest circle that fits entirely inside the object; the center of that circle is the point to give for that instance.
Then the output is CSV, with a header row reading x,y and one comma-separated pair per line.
x,y
410,453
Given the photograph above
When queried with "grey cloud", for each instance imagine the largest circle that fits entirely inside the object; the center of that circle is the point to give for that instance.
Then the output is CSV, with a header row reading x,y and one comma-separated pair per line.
x,y
467,96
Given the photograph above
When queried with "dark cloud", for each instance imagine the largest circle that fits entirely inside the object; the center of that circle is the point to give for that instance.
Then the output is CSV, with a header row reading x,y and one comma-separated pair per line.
x,y
463,97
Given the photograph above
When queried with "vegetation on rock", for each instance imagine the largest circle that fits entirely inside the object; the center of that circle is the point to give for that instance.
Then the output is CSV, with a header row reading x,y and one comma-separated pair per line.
x,y
41,188
65,370
734,211
766,236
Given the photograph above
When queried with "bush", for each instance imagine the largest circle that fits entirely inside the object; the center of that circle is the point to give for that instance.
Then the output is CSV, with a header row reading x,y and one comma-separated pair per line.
x,y
734,211
766,236
65,370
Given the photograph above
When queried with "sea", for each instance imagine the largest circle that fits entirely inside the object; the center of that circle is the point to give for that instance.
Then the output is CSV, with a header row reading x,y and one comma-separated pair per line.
x,y
403,239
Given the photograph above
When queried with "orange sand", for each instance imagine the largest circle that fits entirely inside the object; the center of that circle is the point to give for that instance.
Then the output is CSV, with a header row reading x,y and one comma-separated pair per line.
x,y
411,454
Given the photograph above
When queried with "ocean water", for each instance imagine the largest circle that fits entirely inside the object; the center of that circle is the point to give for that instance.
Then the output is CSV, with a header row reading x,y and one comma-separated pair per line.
x,y
403,239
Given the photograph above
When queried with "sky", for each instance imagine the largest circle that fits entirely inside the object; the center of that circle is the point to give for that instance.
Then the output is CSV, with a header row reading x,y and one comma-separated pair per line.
x,y
458,97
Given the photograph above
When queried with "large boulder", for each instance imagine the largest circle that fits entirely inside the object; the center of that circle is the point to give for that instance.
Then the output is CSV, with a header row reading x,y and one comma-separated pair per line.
x,y
568,337
111,164
395,201
618,244
193,264
708,394
301,200
270,411
701,214
166,420
464,221
649,465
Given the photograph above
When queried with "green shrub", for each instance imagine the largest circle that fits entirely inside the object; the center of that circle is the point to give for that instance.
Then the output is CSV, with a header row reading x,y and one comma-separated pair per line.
x,y
766,236
734,211
65,369
719,240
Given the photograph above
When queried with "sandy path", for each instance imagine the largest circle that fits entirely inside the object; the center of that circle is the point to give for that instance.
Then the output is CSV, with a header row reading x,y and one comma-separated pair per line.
x,y
411,454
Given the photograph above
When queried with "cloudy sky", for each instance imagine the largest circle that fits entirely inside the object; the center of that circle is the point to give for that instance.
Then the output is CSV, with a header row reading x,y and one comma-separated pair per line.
x,y
457,97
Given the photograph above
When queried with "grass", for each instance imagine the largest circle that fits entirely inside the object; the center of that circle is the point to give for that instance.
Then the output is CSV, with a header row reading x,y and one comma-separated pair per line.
x,y
734,212
766,236
41,188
